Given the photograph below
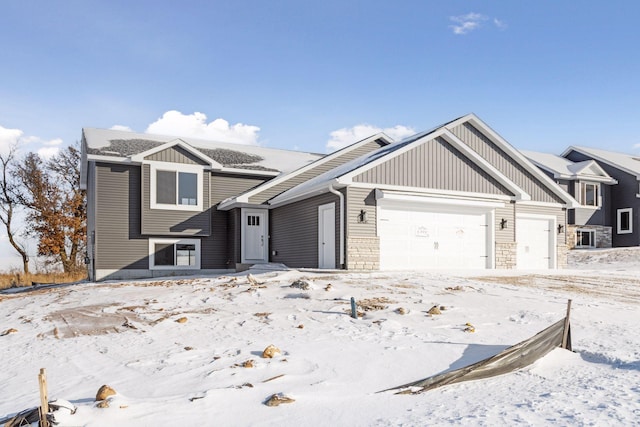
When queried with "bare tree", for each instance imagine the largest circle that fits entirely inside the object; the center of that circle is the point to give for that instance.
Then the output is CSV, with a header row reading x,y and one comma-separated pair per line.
x,y
57,215
9,202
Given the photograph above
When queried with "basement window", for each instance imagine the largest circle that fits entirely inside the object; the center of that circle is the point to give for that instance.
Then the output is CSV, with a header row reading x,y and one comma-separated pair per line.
x,y
171,254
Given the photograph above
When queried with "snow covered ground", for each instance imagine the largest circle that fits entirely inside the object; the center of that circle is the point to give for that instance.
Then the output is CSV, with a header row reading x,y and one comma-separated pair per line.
x,y
208,370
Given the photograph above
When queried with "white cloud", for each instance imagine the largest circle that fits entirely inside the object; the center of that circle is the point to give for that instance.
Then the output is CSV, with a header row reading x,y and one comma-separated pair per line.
x,y
121,127
500,24
195,125
8,138
347,136
48,152
466,23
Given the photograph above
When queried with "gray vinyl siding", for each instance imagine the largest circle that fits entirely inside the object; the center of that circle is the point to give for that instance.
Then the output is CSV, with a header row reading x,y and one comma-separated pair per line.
x,y
294,232
507,234
591,216
176,155
224,186
622,195
559,213
505,164
161,222
434,164
91,216
234,234
361,199
347,155
219,249
119,244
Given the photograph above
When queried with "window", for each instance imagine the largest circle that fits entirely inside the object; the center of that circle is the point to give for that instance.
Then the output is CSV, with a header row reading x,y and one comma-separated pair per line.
x,y
176,187
625,223
589,194
585,238
173,253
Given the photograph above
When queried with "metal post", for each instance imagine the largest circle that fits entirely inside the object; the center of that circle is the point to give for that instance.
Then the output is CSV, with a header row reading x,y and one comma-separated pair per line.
x,y
354,312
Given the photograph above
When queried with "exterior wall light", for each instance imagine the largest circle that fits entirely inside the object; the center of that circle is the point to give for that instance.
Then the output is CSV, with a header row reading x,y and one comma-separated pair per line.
x,y
560,228
362,216
503,224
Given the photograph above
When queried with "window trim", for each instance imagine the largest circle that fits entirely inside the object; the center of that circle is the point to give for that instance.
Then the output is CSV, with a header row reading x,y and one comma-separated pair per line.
x,y
619,215
582,192
152,244
176,168
586,230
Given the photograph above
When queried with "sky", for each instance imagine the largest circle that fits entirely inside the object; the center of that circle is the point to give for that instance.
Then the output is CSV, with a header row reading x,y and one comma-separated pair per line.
x,y
315,76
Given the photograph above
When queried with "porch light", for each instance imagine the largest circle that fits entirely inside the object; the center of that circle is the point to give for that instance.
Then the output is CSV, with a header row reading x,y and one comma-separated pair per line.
x,y
362,216
503,224
560,228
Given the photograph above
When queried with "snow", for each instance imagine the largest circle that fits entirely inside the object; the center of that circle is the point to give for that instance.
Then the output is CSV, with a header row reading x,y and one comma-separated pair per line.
x,y
125,334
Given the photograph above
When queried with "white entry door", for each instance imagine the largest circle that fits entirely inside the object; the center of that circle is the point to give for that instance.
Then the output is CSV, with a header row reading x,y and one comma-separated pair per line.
x,y
536,241
327,236
254,236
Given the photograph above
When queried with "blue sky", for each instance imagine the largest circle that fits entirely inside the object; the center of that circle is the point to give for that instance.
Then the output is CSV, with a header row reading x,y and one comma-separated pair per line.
x,y
288,74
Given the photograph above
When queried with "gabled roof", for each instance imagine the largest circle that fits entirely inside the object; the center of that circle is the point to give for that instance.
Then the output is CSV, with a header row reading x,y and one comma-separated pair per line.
x,y
625,162
122,146
342,175
563,168
244,197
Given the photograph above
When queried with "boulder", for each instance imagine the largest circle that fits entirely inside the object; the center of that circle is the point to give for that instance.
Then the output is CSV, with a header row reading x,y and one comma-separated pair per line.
x,y
301,284
104,392
270,352
278,399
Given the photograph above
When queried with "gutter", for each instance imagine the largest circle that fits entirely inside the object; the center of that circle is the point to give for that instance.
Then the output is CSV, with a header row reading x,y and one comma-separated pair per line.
x,y
341,197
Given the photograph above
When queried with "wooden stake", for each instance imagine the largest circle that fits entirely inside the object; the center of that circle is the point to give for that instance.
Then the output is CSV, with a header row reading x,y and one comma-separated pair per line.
x,y
565,333
354,311
44,399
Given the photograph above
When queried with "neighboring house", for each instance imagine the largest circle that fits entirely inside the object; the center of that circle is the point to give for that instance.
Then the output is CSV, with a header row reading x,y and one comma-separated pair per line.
x,y
624,201
590,224
458,196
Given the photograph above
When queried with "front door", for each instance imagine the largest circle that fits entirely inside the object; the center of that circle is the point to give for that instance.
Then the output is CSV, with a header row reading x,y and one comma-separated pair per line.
x,y
327,236
254,232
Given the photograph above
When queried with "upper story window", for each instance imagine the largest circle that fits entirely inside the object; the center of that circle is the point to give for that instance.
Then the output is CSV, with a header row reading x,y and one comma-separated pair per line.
x,y
176,187
589,194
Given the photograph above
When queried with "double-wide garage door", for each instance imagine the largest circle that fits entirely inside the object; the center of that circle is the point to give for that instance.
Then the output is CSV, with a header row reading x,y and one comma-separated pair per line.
x,y
419,237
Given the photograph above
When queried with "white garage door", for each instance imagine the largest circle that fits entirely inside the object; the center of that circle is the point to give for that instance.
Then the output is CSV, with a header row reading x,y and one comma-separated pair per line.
x,y
535,240
422,237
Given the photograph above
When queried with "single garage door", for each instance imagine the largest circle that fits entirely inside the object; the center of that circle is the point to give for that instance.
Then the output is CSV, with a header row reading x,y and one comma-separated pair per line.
x,y
419,237
535,240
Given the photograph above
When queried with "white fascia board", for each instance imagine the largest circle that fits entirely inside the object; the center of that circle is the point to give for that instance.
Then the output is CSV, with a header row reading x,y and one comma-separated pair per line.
x,y
109,159
461,199
248,171
140,157
429,193
515,154
546,204
244,198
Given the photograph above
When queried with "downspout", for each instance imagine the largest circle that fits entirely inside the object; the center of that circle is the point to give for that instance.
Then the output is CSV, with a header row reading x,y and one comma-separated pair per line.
x,y
341,197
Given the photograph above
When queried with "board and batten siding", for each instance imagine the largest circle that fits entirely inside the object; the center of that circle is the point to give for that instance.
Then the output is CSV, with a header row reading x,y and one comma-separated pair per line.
x,y
434,164
348,155
119,244
176,154
162,222
505,163
293,231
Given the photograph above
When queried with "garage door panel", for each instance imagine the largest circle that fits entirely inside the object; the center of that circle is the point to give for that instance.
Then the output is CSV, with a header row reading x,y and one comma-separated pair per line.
x,y
418,238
